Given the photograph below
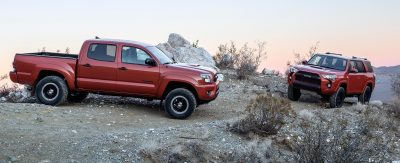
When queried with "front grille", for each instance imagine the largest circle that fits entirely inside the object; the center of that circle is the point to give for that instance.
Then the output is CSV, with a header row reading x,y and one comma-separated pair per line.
x,y
308,77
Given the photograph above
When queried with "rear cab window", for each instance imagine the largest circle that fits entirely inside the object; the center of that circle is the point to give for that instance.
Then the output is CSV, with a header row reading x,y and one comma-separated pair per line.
x,y
102,52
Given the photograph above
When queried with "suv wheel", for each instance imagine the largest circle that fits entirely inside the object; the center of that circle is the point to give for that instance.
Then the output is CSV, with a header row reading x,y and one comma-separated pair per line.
x,y
51,90
365,96
77,96
180,103
337,99
293,93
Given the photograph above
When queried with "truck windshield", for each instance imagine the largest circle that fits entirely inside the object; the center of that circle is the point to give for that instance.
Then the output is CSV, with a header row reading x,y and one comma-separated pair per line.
x,y
160,55
330,62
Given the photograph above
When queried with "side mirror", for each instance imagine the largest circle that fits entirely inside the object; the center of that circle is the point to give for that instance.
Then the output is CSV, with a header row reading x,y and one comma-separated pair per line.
x,y
150,61
304,62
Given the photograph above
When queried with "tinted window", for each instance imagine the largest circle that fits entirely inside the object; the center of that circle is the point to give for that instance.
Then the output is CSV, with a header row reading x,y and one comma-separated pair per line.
x,y
102,52
357,66
134,55
369,66
330,62
360,66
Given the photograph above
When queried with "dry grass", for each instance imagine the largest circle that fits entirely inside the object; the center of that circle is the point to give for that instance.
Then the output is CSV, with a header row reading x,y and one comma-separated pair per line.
x,y
265,116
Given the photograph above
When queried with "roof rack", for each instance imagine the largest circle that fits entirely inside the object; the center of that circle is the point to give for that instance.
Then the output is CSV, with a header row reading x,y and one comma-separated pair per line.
x,y
359,58
333,53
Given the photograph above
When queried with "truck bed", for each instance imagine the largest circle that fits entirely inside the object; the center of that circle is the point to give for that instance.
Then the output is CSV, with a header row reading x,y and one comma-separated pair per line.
x,y
28,66
50,54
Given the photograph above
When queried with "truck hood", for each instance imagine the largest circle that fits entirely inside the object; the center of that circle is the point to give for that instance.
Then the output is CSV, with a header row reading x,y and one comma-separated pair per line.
x,y
193,67
318,70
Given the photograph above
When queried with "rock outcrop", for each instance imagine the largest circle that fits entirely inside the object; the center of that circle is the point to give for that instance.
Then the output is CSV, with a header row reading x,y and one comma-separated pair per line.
x,y
180,49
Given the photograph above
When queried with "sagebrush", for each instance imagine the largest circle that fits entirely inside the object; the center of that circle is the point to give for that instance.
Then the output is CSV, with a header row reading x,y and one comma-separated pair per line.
x,y
265,116
6,89
245,60
332,139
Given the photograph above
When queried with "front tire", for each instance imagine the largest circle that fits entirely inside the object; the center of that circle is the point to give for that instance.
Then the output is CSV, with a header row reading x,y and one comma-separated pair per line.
x,y
180,103
293,93
77,97
51,90
365,96
337,99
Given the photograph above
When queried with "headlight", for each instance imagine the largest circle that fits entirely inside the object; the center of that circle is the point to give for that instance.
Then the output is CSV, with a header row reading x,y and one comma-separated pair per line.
x,y
330,77
293,70
206,77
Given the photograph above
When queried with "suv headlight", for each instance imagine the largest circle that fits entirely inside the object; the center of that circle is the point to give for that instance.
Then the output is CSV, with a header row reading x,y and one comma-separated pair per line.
x,y
330,77
206,77
293,70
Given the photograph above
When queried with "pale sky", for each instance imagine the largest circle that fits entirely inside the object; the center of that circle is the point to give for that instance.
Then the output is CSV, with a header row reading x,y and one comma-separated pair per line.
x,y
365,28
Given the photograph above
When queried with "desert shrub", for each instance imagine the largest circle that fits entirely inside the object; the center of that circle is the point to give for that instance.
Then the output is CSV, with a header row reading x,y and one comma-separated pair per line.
x,y
298,57
245,61
336,139
265,116
226,56
182,152
396,84
395,108
6,89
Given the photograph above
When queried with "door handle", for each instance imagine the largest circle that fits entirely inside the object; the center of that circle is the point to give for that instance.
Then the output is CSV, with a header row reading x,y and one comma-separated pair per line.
x,y
87,65
122,68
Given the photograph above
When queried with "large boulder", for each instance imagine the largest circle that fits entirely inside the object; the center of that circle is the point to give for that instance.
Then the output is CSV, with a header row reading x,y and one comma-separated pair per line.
x,y
180,49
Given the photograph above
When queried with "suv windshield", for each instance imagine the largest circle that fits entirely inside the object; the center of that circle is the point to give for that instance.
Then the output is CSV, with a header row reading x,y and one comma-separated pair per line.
x,y
330,62
160,55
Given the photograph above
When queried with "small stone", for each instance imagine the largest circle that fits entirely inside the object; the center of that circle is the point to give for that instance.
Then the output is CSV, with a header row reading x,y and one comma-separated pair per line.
x,y
74,131
39,119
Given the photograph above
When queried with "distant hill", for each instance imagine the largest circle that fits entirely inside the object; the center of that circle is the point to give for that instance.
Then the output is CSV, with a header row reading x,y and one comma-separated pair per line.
x,y
387,70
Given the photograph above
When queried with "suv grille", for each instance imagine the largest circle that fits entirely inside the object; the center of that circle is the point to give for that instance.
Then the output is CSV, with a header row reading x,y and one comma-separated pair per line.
x,y
308,77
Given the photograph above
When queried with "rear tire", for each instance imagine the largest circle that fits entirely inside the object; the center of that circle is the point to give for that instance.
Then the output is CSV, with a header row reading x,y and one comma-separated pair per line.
x,y
365,96
77,97
293,93
337,99
180,103
51,90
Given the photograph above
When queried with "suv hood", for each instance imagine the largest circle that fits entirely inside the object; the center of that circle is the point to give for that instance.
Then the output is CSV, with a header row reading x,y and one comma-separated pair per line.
x,y
193,67
318,70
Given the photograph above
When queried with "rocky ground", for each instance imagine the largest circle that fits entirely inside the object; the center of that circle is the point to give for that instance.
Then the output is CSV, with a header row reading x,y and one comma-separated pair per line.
x,y
121,129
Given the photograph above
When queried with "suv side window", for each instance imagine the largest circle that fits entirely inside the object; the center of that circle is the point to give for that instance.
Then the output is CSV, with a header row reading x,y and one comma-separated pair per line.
x,y
369,66
360,66
134,55
102,52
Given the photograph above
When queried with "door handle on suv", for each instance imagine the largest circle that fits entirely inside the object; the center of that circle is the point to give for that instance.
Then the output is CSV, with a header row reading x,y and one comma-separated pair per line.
x,y
87,65
123,68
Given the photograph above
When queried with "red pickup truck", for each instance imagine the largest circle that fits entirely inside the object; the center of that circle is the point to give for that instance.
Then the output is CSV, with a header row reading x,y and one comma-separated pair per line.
x,y
117,67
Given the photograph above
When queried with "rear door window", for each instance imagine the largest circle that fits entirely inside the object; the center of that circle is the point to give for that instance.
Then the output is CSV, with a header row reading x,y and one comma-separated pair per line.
x,y
360,66
102,52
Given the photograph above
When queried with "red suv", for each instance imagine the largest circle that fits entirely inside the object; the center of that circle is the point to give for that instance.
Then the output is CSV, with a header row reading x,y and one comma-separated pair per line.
x,y
334,77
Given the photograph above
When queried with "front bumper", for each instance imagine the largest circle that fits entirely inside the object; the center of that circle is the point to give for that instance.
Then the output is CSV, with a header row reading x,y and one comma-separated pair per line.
x,y
208,92
323,87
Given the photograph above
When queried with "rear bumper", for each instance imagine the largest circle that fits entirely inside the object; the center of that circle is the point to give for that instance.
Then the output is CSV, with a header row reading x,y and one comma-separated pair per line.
x,y
208,92
13,76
